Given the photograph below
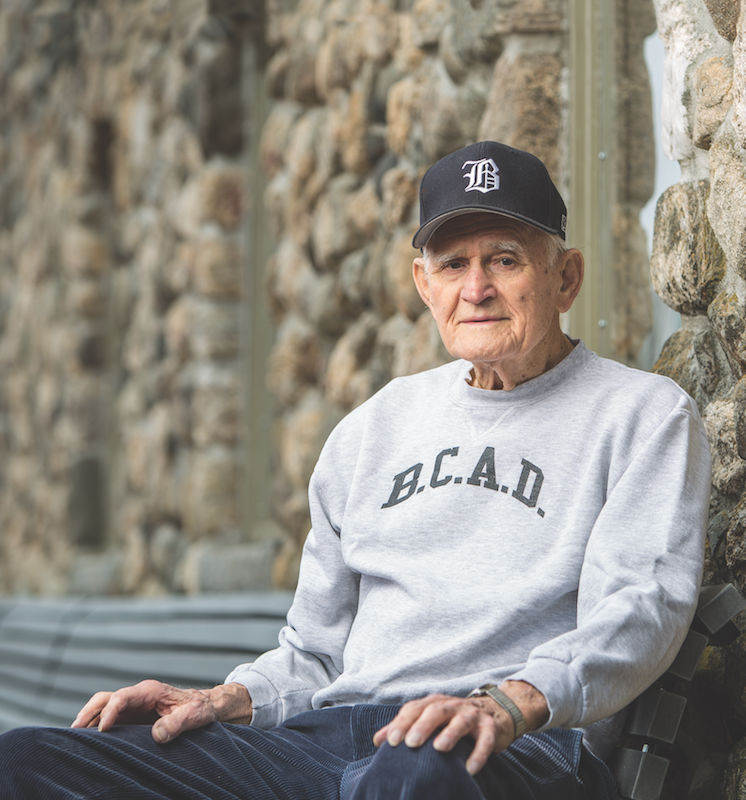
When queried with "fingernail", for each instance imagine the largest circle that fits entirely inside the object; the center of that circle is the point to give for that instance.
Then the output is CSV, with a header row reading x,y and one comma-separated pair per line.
x,y
471,768
394,738
413,739
159,735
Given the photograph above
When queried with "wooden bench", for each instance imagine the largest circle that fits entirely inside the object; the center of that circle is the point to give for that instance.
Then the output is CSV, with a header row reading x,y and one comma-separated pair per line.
x,y
54,653
651,748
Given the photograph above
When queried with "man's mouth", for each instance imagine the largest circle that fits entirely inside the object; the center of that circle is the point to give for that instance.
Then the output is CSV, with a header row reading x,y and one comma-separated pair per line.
x,y
483,320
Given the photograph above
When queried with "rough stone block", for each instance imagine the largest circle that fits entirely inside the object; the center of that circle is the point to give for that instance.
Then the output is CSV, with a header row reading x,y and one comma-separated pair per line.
x,y
468,41
728,469
739,399
407,56
216,405
302,434
355,135
84,251
346,381
523,105
400,283
217,267
276,135
712,85
399,192
694,358
178,328
338,61
724,14
222,194
87,298
211,502
300,74
687,263
739,78
451,113
727,197
429,18
735,559
312,159
336,230
428,115
295,360
727,313
527,16
215,331
404,97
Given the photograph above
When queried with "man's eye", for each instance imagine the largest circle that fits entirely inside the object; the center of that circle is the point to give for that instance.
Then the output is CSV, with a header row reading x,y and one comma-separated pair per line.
x,y
503,262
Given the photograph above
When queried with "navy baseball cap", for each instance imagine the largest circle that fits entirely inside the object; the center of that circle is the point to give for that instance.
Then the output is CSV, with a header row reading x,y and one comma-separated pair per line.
x,y
491,177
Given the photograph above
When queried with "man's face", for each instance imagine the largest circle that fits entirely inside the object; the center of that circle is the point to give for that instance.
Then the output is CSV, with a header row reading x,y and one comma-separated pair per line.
x,y
495,289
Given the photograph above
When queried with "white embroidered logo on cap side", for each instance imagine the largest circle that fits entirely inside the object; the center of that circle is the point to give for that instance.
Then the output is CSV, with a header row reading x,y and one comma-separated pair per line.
x,y
483,175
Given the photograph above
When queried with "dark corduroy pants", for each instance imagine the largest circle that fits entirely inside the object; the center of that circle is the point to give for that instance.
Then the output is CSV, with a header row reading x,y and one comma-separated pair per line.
x,y
318,755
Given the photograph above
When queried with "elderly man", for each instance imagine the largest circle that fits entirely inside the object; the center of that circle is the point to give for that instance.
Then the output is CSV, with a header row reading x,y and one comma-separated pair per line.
x,y
505,551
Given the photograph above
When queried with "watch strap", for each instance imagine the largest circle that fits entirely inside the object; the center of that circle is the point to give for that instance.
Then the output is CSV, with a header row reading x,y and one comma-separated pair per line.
x,y
502,699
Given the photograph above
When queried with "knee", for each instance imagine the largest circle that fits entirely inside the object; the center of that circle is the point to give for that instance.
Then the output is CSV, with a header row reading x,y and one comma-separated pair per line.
x,y
422,773
18,749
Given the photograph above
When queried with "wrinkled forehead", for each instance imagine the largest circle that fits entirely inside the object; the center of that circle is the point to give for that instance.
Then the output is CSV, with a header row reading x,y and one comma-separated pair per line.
x,y
462,228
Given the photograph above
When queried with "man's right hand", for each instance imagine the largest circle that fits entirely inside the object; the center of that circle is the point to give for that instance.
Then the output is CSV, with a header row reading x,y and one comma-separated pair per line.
x,y
174,710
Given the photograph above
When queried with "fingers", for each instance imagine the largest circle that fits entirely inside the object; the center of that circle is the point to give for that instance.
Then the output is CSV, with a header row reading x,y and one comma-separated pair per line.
x,y
89,715
380,736
456,717
401,725
417,720
132,704
486,744
176,710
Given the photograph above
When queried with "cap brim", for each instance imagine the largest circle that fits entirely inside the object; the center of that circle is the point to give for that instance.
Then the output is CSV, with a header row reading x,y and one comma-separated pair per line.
x,y
426,231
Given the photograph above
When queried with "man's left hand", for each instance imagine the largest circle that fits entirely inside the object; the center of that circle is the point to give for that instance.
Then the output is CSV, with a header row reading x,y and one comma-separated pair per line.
x,y
487,722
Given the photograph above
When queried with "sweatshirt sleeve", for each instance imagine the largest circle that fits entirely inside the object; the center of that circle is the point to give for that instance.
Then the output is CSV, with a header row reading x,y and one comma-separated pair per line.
x,y
639,581
309,657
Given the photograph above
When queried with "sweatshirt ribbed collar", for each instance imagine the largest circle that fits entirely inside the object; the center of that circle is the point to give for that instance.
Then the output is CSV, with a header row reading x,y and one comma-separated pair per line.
x,y
531,391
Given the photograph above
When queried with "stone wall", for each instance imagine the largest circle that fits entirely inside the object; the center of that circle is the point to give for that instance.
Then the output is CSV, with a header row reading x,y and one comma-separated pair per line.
x,y
699,269
139,452
122,242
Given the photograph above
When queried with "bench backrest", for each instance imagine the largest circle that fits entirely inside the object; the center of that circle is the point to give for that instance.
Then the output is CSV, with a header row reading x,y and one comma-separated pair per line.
x,y
55,653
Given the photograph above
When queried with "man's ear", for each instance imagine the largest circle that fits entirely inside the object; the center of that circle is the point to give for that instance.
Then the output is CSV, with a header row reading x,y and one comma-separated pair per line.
x,y
572,267
420,279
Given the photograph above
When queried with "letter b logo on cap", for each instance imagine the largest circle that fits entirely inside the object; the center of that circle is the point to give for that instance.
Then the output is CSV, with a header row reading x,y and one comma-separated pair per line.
x,y
482,175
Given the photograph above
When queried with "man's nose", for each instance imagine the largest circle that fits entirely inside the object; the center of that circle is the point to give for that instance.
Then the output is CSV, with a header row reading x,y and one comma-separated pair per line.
x,y
478,285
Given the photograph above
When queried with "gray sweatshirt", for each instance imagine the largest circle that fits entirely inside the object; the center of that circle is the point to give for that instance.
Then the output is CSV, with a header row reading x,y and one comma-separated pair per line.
x,y
552,534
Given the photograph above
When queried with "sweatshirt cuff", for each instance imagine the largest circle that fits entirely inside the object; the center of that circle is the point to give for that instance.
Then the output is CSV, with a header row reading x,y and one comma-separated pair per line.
x,y
266,709
560,687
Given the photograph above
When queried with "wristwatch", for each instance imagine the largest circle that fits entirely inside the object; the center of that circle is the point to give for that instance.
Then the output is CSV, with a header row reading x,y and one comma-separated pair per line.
x,y
490,690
